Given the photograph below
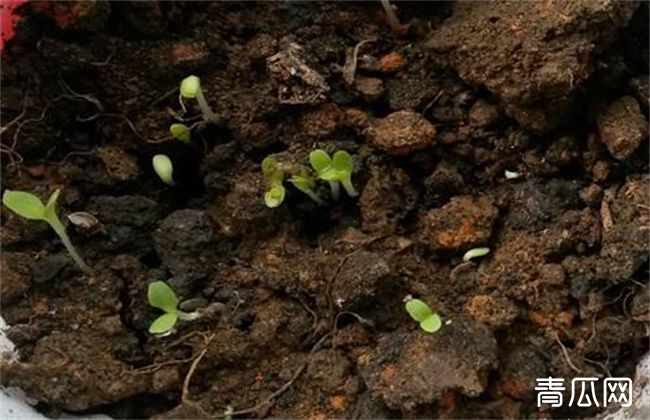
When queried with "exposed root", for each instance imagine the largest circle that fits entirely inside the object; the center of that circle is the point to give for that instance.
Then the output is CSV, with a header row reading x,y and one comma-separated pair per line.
x,y
351,58
566,355
185,395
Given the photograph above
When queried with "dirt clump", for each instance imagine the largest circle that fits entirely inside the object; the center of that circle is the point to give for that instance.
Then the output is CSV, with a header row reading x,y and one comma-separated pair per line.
x,y
527,53
622,127
462,223
401,133
409,369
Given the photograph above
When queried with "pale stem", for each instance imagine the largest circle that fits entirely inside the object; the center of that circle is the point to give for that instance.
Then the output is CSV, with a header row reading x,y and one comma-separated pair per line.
x,y
188,316
314,197
349,188
208,115
60,230
334,185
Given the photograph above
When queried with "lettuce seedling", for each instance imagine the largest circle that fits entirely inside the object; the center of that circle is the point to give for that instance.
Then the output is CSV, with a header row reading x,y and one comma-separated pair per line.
x,y
335,170
191,88
304,182
420,311
273,176
475,253
180,132
31,207
161,296
164,168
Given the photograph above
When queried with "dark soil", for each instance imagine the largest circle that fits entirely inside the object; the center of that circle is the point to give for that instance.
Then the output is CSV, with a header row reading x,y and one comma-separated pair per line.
x,y
307,318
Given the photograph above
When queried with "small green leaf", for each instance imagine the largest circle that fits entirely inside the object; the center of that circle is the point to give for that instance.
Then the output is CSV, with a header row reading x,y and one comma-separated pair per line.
x,y
180,132
163,323
161,296
50,208
303,183
431,324
190,87
269,167
342,162
476,252
321,162
24,204
164,168
275,196
418,310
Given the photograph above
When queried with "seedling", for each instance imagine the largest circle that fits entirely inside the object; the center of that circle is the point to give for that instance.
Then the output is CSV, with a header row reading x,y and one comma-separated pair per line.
x,y
180,132
273,176
161,296
475,253
191,88
31,207
335,170
420,311
304,182
164,168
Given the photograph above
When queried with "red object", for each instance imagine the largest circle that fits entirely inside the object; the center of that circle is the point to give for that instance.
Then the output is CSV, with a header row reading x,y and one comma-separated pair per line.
x,y
8,20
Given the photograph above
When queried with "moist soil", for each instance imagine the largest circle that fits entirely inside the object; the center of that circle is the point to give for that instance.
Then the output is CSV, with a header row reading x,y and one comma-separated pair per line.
x,y
303,312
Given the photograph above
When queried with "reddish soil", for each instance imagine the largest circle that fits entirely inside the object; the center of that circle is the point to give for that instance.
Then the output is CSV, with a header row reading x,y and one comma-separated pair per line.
x,y
306,316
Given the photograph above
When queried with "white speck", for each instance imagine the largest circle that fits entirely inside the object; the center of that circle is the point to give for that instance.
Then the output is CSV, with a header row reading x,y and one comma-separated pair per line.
x,y
511,174
448,322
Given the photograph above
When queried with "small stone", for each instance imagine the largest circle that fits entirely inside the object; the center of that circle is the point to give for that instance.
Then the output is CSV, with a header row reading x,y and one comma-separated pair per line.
x,y
392,63
600,171
49,267
321,121
401,133
461,224
370,88
622,127
483,114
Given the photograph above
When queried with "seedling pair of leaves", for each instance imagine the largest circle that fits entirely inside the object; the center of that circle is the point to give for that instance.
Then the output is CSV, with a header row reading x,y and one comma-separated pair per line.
x,y
335,170
420,311
274,175
161,296
30,207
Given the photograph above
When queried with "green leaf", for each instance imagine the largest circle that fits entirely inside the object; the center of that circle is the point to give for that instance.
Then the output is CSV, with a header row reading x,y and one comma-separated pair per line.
x,y
321,162
342,162
164,168
163,323
418,310
24,204
180,132
190,87
275,196
161,296
269,167
303,183
50,208
431,324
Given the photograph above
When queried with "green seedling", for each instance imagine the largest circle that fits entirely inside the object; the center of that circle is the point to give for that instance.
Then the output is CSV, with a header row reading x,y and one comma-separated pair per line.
x,y
164,168
180,132
191,88
304,182
335,170
475,253
420,311
31,207
161,296
273,176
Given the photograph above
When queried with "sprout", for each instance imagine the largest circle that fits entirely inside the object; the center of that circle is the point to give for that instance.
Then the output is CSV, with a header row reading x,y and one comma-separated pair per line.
x,y
191,88
273,175
391,17
31,207
304,182
180,132
511,175
334,170
161,296
476,252
164,168
420,311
